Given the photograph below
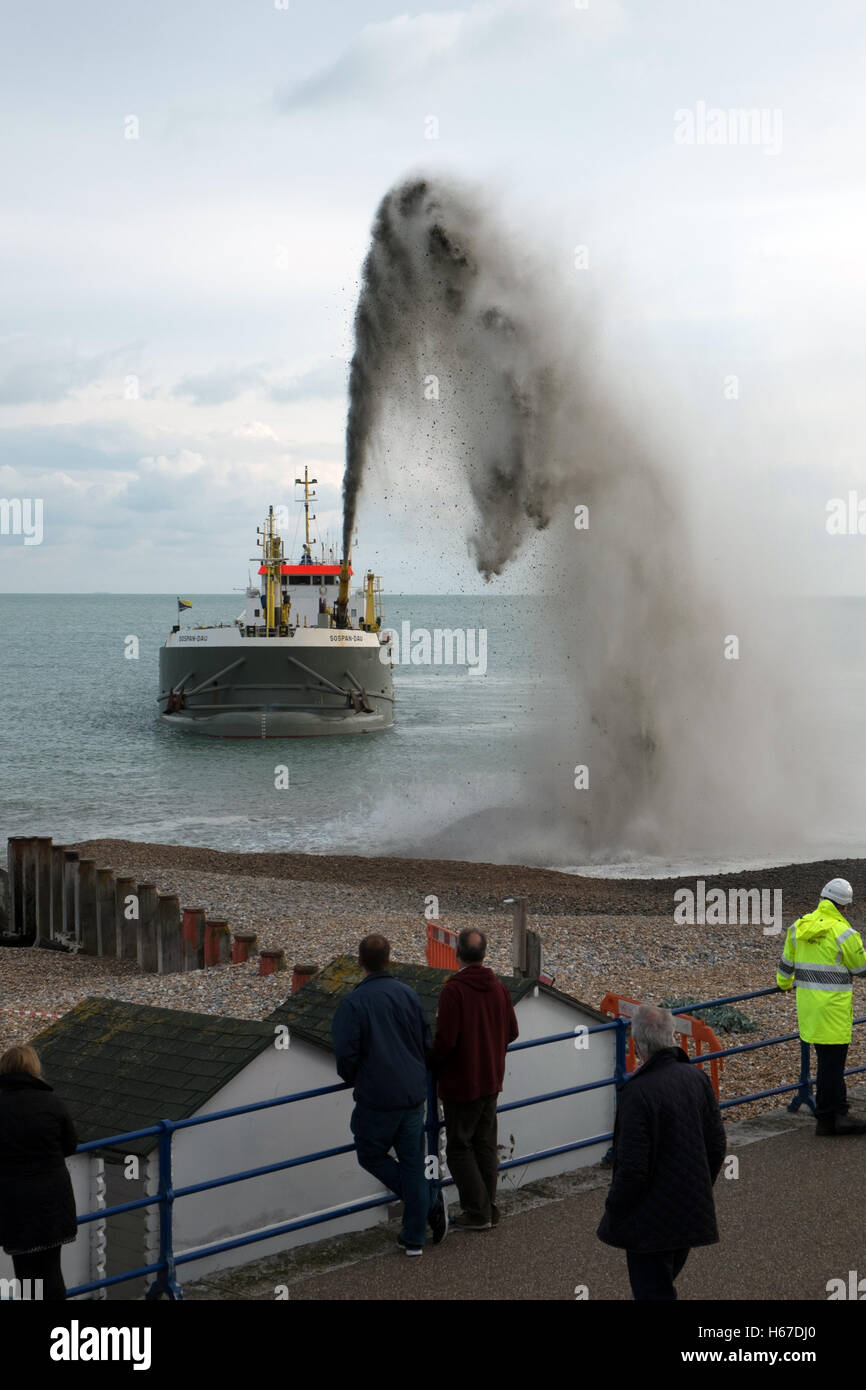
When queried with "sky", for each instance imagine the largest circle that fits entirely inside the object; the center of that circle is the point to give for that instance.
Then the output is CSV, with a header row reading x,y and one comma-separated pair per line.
x,y
188,194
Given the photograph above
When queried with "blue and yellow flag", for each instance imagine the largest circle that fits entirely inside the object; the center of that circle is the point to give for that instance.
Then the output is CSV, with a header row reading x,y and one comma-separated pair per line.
x,y
183,603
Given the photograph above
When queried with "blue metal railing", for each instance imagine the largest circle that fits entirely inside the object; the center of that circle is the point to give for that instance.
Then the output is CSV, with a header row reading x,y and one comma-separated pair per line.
x,y
164,1269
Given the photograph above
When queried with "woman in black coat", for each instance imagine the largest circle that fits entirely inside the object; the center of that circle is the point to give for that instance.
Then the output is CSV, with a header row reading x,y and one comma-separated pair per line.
x,y
37,1205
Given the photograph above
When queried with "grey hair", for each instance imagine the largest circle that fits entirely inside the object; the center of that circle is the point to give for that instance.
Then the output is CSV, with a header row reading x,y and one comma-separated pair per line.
x,y
652,1029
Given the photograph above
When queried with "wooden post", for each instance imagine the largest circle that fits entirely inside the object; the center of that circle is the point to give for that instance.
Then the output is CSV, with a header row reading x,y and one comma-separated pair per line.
x,y
15,880
518,936
301,975
148,901
169,939
106,913
28,888
58,855
243,943
42,872
126,928
87,905
534,955
269,961
217,943
193,938
70,894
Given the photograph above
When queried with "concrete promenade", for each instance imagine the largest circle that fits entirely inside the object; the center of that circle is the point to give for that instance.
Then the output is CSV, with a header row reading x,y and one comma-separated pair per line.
x,y
790,1221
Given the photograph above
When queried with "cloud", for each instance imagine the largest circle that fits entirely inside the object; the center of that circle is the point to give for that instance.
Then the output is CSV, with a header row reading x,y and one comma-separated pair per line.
x,y
320,383
255,429
32,370
227,383
92,446
221,384
408,49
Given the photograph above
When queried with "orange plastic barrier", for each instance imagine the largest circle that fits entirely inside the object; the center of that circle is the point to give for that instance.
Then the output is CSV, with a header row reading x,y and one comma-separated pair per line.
x,y
688,1028
441,947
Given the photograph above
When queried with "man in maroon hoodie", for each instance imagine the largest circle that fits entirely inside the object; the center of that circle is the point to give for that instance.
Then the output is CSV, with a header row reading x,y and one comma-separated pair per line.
x,y
474,1026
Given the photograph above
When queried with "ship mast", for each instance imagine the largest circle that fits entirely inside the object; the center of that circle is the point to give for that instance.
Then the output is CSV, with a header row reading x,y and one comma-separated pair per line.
x,y
272,548
307,482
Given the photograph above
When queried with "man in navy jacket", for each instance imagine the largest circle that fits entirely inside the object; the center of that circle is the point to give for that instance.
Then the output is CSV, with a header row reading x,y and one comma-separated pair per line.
x,y
382,1041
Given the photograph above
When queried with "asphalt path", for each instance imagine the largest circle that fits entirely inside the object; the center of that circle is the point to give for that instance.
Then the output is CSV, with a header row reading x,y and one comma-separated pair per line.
x,y
790,1221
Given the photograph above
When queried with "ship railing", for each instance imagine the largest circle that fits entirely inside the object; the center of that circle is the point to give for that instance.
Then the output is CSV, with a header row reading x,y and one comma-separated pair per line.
x,y
164,1269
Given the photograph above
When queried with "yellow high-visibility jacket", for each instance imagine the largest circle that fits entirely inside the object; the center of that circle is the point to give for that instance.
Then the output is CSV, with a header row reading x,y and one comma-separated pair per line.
x,y
821,955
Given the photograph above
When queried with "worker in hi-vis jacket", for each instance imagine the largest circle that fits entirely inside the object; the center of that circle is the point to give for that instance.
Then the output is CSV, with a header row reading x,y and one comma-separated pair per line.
x,y
822,954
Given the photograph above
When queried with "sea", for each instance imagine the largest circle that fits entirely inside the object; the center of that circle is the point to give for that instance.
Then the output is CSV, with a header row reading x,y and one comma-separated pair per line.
x,y
84,754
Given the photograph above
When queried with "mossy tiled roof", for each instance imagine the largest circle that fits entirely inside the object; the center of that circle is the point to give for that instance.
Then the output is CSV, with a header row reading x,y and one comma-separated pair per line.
x,y
310,1013
120,1067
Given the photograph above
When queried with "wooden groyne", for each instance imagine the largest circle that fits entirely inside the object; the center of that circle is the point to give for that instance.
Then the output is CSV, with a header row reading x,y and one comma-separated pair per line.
x,y
58,900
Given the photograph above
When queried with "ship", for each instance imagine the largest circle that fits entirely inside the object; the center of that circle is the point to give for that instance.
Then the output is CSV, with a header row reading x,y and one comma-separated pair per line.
x,y
305,658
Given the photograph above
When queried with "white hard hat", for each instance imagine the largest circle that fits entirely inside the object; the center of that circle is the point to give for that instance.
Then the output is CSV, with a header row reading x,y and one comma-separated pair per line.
x,y
838,890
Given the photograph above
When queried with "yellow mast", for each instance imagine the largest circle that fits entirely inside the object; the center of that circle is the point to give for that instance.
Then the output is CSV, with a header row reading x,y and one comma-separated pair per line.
x,y
307,482
272,555
370,606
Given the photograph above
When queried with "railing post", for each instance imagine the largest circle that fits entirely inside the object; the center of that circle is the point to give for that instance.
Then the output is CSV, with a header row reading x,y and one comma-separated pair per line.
x,y
619,1071
619,1074
165,1281
803,1094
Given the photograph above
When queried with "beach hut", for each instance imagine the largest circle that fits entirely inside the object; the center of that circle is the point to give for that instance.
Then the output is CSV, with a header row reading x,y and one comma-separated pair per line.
x,y
122,1066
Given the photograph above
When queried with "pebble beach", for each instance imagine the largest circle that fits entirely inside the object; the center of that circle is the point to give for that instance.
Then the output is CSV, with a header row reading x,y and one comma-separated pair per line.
x,y
598,935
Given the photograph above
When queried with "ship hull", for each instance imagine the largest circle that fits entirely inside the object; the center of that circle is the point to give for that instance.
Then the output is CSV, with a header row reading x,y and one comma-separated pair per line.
x,y
313,684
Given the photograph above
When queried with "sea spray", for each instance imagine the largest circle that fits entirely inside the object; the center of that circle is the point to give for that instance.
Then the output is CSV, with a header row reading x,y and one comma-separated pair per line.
x,y
681,745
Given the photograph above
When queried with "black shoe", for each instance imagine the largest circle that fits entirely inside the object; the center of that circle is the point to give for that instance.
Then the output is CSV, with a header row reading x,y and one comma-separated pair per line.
x,y
409,1249
849,1124
438,1220
469,1223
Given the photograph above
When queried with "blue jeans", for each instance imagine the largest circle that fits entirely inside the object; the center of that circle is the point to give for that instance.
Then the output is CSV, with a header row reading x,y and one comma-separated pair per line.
x,y
378,1131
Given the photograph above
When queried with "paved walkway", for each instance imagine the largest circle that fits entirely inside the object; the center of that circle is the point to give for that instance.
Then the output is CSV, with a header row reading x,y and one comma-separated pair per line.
x,y
790,1221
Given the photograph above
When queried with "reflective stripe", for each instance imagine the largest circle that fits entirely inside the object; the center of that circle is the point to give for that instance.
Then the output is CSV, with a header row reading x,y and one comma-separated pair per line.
x,y
785,967
843,936
832,989
822,974
861,971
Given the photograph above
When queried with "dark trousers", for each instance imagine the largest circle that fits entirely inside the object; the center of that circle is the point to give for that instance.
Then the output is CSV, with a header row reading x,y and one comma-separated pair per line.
x,y
831,1097
472,1155
652,1276
376,1133
44,1265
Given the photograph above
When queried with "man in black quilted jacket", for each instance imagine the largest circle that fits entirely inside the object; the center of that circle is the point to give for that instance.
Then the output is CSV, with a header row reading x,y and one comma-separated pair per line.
x,y
668,1149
